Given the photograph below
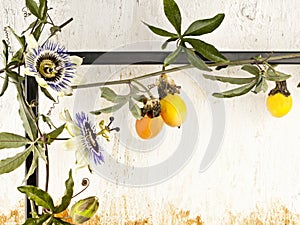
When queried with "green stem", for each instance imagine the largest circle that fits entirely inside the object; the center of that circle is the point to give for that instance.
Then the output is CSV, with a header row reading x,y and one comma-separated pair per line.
x,y
230,63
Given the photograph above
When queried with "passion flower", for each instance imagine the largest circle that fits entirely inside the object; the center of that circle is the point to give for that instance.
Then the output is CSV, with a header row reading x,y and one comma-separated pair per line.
x,y
51,65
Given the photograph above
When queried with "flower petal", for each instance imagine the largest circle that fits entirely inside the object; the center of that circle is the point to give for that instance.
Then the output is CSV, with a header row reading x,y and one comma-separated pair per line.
x,y
28,72
73,129
81,160
76,60
72,144
31,42
41,82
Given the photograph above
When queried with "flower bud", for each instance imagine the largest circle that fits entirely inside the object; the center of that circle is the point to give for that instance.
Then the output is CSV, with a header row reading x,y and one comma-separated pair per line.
x,y
84,209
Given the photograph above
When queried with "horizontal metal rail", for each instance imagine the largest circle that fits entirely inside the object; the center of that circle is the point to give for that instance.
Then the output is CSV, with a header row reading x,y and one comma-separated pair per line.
x,y
157,57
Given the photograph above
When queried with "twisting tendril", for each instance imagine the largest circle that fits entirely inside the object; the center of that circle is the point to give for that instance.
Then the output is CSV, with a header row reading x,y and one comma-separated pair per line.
x,y
85,183
7,39
25,11
53,106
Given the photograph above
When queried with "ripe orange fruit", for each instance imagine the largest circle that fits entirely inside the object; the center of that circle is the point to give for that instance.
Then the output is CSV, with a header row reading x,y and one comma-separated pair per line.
x,y
173,110
148,127
279,104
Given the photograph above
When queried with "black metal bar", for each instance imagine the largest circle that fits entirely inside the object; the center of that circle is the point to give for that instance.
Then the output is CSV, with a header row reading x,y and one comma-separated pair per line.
x,y
31,92
157,57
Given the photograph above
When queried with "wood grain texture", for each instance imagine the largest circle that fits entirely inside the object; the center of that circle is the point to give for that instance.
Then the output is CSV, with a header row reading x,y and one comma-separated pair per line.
x,y
255,179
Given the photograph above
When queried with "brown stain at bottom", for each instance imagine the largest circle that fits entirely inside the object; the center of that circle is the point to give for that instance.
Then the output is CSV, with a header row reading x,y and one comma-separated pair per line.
x,y
277,214
14,217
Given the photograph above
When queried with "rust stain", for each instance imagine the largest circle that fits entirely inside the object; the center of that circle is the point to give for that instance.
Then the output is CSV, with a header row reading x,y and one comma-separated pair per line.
x,y
14,217
276,214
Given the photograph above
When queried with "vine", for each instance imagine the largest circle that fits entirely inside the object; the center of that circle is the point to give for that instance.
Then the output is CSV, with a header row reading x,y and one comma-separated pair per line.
x,y
54,69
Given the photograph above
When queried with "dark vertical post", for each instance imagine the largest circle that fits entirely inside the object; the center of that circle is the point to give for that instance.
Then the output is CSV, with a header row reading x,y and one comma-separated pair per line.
x,y
31,92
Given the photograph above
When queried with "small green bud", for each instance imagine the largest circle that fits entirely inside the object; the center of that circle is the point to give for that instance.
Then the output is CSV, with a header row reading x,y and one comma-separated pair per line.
x,y
84,209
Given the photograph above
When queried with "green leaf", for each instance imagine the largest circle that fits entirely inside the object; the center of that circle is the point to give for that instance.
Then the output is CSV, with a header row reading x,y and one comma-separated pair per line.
x,y
231,80
160,31
165,44
251,69
276,76
14,76
205,26
47,94
66,199
28,122
172,56
9,164
43,9
206,50
37,31
41,152
34,23
195,60
58,221
135,109
236,92
5,85
10,140
48,120
5,51
172,12
54,134
33,165
261,86
40,197
37,221
21,39
17,58
33,7
109,95
109,109
139,98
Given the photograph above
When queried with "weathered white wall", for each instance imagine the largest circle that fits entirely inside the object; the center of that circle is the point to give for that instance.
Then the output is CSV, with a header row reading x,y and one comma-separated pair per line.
x,y
255,179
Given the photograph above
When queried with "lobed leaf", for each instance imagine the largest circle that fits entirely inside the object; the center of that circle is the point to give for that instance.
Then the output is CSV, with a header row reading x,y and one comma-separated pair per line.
x,y
236,92
66,199
251,69
261,86
205,26
160,31
37,221
10,140
28,122
43,9
33,165
231,80
21,39
10,164
40,197
165,44
276,76
58,221
195,60
54,134
172,12
5,85
135,109
109,109
33,7
206,50
172,56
